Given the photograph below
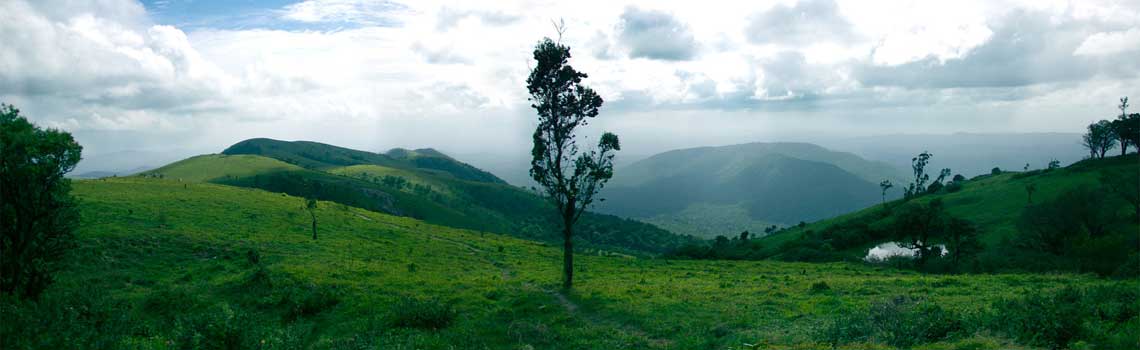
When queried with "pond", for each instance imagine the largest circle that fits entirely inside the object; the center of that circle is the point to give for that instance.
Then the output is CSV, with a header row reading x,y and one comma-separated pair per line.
x,y
893,249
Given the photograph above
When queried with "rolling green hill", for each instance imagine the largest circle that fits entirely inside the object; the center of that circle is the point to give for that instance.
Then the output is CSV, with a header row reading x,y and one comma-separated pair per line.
x,y
714,191
315,155
166,264
993,203
428,193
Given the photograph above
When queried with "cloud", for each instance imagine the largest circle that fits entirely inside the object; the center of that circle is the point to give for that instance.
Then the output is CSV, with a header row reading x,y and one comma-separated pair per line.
x,y
448,18
1026,48
807,22
1109,43
357,12
655,35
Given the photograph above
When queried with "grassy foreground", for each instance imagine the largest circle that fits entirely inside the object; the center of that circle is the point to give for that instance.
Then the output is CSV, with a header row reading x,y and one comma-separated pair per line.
x,y
164,264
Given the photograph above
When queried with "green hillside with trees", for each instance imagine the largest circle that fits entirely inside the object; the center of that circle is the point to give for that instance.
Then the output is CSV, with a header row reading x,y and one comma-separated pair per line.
x,y
1077,218
429,194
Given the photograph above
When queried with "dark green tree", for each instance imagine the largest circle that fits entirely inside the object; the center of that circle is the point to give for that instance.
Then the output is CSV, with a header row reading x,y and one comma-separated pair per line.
x,y
1099,139
1126,184
569,177
962,239
37,212
1125,130
917,225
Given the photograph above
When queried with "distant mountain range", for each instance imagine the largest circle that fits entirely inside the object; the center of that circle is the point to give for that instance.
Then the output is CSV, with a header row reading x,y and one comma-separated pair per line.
x,y
968,154
711,191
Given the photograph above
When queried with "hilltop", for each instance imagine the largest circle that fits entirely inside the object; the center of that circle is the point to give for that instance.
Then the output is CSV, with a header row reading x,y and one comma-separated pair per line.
x,y
423,184
712,191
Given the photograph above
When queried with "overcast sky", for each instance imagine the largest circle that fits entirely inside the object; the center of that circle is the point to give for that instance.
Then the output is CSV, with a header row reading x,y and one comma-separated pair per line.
x,y
200,75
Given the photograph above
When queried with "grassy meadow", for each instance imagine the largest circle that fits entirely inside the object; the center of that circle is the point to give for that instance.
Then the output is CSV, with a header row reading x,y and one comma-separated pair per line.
x,y
167,264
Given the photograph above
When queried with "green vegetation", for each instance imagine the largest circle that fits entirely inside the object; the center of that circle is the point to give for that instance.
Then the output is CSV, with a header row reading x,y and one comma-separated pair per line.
x,y
772,183
319,156
1093,226
427,194
37,212
164,264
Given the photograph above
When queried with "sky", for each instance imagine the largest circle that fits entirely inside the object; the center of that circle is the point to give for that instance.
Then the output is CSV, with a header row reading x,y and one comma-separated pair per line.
x,y
194,76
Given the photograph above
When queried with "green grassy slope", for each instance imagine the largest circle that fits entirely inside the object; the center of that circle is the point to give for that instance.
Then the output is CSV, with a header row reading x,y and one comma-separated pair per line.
x,y
315,155
165,264
428,194
210,167
992,202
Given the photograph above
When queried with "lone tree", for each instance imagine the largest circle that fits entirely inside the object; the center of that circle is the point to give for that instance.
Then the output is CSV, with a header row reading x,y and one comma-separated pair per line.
x,y
1126,128
916,227
884,186
1099,139
311,204
570,178
37,212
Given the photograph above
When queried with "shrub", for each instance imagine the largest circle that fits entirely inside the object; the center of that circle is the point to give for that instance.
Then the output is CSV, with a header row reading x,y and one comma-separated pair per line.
x,y
422,313
820,287
1103,317
900,321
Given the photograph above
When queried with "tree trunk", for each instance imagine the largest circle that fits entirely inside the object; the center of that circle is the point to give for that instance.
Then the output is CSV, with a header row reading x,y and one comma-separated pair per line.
x,y
314,226
567,257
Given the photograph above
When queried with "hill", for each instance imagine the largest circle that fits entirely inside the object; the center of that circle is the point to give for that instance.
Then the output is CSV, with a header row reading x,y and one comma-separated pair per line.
x,y
969,154
994,204
166,264
429,194
315,155
712,191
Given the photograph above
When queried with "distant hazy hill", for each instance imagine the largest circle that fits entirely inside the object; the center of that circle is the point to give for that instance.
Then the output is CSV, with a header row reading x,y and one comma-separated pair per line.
x,y
423,184
315,155
713,191
966,153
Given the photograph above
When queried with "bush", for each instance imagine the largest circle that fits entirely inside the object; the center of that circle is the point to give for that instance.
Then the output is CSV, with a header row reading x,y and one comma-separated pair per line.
x,y
430,313
84,319
900,321
1104,317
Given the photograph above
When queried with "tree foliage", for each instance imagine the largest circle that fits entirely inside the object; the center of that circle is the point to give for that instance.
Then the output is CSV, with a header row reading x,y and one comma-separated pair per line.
x,y
918,165
37,211
569,177
1099,139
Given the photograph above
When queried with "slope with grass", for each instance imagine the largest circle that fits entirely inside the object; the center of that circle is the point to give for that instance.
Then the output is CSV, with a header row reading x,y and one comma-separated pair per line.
x,y
993,203
433,195
315,155
162,264
754,185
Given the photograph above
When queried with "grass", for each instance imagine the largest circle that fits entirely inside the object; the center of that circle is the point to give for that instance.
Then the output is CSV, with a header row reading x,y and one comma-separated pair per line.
x,y
992,202
209,266
211,167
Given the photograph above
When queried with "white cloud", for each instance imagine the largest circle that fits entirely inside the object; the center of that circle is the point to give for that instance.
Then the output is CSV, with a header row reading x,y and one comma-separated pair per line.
x,y
1107,43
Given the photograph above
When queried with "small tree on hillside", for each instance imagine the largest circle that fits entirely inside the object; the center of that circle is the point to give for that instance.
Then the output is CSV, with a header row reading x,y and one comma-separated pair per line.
x,y
37,211
884,186
1122,129
570,179
313,188
918,165
1099,139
